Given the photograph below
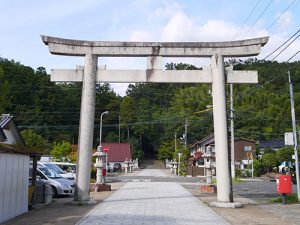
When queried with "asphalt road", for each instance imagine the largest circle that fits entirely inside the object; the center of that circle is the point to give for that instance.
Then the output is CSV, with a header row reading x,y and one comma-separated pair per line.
x,y
254,189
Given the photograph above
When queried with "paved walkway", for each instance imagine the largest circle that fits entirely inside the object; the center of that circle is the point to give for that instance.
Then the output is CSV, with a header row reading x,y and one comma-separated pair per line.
x,y
154,203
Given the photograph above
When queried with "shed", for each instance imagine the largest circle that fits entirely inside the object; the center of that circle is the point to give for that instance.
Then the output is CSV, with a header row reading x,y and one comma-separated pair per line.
x,y
14,181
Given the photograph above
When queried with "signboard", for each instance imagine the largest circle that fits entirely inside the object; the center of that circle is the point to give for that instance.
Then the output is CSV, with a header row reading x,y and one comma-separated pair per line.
x,y
289,138
247,148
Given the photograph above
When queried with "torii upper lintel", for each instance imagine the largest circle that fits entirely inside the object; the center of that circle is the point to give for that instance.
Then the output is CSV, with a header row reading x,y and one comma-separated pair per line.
x,y
241,48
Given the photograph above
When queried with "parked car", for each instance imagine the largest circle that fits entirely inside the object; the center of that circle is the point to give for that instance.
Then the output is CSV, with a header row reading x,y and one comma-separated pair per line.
x,y
65,166
57,169
117,167
59,185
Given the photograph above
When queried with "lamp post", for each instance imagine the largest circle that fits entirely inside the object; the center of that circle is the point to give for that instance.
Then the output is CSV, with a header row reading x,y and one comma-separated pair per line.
x,y
106,112
100,157
179,156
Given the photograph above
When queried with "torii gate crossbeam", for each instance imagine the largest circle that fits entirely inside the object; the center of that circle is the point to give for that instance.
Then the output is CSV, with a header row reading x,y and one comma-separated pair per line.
x,y
154,51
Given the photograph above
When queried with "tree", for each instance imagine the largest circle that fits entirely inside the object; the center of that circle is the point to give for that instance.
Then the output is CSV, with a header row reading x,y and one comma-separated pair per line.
x,y
61,150
33,140
4,93
285,154
166,150
269,161
127,113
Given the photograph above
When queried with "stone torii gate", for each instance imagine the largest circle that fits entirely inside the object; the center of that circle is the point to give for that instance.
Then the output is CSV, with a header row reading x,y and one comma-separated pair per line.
x,y
154,51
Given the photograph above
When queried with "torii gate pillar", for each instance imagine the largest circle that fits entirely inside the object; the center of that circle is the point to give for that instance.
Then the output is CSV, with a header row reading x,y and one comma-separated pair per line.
x,y
224,184
86,131
154,51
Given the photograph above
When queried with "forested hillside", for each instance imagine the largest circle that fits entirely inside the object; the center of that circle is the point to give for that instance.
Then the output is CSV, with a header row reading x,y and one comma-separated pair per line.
x,y
150,114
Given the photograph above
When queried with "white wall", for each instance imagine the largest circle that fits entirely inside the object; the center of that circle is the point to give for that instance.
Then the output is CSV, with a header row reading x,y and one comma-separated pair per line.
x,y
14,174
10,137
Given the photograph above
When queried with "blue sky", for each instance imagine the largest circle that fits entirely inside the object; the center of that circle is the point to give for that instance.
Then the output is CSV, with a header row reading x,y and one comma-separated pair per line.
x,y
22,23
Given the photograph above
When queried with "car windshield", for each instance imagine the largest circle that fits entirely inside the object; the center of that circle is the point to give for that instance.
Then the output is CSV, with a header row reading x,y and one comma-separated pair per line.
x,y
68,168
49,173
54,168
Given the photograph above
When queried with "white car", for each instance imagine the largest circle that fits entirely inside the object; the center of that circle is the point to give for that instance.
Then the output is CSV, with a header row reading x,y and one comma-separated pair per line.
x,y
58,170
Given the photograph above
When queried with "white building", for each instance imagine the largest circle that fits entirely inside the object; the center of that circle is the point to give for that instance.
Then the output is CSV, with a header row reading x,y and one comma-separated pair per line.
x,y
14,171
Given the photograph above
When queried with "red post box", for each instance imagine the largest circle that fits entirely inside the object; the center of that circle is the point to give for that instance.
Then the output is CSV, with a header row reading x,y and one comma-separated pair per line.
x,y
284,184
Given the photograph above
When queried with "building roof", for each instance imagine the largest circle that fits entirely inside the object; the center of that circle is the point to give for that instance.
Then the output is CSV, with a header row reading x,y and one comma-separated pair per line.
x,y
118,152
210,139
8,125
18,150
272,144
2,135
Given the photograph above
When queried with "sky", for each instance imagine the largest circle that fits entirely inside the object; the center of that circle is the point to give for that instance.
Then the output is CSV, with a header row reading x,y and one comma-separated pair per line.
x,y
22,23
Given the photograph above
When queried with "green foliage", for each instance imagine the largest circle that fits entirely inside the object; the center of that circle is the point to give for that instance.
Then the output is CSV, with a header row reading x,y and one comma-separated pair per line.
x,y
4,93
166,150
33,140
61,150
137,152
284,154
269,161
150,113
257,167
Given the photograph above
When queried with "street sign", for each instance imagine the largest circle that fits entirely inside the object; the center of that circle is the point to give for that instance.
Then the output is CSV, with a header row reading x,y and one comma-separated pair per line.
x,y
289,138
247,148
106,149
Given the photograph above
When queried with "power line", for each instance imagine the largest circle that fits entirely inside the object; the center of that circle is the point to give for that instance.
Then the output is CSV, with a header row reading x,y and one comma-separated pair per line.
x,y
286,47
265,9
246,20
282,45
272,24
293,56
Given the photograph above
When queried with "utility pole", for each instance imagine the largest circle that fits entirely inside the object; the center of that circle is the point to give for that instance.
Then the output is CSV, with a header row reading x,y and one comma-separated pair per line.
x,y
185,132
294,134
232,132
175,141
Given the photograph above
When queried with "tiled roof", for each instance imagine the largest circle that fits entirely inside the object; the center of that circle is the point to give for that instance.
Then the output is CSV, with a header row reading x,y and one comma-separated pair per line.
x,y
4,120
118,152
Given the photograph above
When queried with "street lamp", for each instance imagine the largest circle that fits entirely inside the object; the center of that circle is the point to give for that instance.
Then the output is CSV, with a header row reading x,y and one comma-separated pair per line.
x,y
106,112
100,157
179,156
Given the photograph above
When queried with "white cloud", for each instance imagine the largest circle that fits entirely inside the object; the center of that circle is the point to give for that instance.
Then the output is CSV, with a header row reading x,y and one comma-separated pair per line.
x,y
142,35
285,20
169,9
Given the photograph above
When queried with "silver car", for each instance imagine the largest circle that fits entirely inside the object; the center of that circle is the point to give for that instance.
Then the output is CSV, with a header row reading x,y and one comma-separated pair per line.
x,y
58,170
59,185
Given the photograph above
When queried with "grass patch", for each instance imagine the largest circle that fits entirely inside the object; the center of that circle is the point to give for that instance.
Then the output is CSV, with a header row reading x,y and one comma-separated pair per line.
x,y
290,198
213,181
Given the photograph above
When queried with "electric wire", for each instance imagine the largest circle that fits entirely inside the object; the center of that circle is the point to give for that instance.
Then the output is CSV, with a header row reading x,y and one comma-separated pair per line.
x,y
281,45
286,47
293,56
274,22
246,20
265,9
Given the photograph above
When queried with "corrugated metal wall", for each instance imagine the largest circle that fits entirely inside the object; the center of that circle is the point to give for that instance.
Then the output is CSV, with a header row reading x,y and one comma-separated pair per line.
x,y
14,174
